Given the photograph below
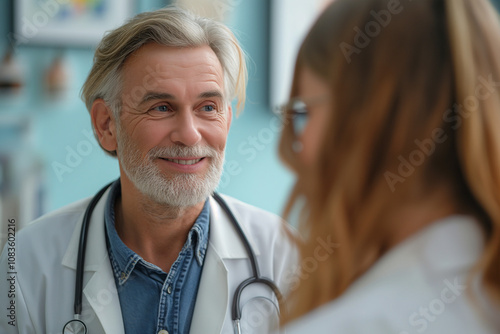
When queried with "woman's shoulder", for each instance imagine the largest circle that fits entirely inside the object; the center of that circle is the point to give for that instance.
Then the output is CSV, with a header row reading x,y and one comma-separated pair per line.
x,y
430,318
420,286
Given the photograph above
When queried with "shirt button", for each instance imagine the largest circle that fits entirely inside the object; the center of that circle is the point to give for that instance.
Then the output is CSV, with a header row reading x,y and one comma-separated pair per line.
x,y
169,291
163,332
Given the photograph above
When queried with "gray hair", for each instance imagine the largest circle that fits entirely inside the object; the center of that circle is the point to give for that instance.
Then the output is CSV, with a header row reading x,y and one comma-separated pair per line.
x,y
169,26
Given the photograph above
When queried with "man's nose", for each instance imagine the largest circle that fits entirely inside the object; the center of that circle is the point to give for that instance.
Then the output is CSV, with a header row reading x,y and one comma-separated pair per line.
x,y
186,130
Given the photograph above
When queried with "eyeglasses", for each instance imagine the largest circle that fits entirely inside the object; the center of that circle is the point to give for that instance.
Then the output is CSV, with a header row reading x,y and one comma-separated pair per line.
x,y
296,111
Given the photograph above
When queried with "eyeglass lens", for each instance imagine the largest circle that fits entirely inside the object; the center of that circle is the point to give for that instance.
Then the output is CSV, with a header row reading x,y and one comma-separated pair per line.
x,y
299,116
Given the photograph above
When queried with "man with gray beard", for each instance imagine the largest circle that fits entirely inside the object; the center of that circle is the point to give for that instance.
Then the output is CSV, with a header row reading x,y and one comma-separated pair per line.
x,y
156,251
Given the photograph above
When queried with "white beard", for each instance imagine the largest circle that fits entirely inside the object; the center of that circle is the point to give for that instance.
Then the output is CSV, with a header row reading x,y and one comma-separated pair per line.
x,y
179,190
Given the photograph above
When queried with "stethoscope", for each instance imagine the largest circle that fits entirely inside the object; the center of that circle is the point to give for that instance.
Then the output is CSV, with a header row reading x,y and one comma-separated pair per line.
x,y
77,325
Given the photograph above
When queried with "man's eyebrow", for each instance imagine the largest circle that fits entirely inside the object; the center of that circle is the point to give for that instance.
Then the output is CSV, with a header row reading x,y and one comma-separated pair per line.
x,y
156,96
166,96
209,94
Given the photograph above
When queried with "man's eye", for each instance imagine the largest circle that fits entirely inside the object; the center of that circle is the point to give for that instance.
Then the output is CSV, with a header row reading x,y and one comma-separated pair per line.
x,y
161,108
208,108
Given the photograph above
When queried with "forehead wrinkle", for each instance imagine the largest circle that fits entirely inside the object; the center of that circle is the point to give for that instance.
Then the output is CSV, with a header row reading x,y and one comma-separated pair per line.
x,y
202,66
183,73
199,79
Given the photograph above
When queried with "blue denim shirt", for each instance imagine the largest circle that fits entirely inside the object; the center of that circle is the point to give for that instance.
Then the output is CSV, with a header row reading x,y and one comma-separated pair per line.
x,y
150,299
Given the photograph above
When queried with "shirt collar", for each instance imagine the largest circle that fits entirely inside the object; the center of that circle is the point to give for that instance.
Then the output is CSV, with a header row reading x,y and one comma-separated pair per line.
x,y
198,235
124,260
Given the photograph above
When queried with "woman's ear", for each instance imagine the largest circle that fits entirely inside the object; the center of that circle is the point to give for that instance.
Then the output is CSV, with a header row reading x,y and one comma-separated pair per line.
x,y
104,124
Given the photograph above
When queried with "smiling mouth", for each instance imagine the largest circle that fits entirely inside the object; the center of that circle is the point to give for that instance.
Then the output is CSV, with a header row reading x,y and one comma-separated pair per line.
x,y
183,162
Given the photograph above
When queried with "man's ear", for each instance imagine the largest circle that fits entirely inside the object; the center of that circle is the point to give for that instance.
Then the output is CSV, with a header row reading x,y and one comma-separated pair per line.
x,y
104,124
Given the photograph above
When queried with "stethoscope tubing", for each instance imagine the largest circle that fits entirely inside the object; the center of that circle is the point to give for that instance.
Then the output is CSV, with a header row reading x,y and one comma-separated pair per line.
x,y
82,247
256,278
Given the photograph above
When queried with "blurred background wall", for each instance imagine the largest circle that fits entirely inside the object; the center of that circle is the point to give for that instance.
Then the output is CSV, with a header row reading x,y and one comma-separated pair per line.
x,y
48,155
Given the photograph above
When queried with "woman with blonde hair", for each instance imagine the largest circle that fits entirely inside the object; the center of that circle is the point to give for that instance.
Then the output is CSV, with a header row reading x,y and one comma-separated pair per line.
x,y
393,132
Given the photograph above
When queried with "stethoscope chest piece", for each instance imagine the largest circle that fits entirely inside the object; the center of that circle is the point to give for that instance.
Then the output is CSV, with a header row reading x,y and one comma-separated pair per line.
x,y
75,326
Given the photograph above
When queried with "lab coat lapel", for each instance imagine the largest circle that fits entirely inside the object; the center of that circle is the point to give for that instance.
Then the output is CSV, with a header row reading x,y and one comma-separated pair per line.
x,y
213,297
99,291
102,297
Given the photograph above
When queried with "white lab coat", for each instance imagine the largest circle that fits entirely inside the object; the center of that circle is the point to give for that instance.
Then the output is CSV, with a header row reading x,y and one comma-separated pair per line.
x,y
420,286
46,256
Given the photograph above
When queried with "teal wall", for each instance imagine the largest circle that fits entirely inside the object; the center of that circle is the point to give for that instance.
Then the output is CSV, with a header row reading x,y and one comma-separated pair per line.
x,y
496,3
254,175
